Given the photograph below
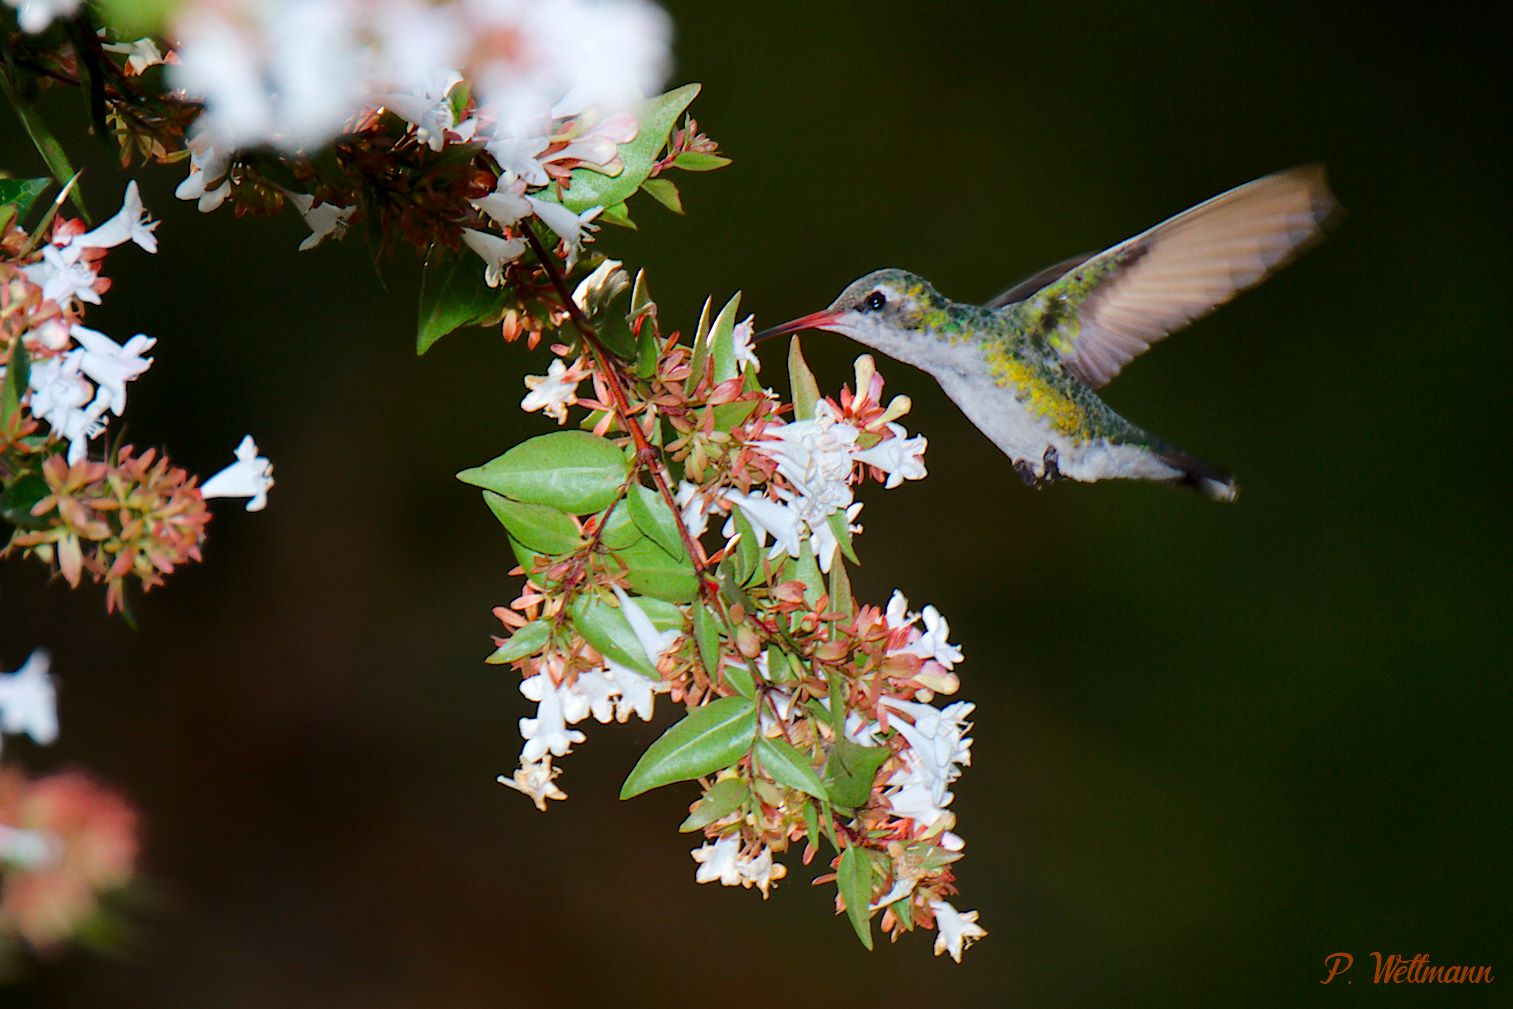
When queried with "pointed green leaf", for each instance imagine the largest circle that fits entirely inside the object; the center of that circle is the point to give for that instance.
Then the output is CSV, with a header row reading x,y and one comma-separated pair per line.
x,y
540,527
741,679
652,571
722,362
840,525
812,825
854,880
806,391
18,371
574,471
618,215
665,193
640,297
654,122
528,640
619,530
47,145
787,766
453,294
648,351
706,634
20,194
808,572
850,770
699,161
655,519
748,552
605,627
722,799
700,355
841,600
20,497
707,740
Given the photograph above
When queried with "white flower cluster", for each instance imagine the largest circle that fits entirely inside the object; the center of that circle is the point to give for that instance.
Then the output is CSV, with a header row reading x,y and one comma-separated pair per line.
x,y
819,459
725,861
35,15
612,692
293,73
61,391
81,382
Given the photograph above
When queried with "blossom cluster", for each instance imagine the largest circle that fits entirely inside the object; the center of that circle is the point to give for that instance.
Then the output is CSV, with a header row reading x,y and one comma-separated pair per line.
x,y
66,843
701,556
117,514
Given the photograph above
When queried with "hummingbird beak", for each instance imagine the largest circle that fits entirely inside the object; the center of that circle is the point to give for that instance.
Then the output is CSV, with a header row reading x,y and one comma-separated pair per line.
x,y
818,320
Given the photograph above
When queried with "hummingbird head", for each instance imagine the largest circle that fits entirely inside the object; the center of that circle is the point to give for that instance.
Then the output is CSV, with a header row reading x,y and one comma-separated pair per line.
x,y
887,309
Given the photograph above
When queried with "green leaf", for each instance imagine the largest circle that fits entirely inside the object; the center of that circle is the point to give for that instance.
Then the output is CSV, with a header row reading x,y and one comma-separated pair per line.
x,y
132,19
18,372
454,294
808,572
706,634
700,349
540,527
655,519
619,530
19,498
724,798
618,215
722,362
849,772
748,553
787,766
652,571
708,739
648,351
640,297
528,640
812,825
741,679
806,391
574,471
605,627
841,599
458,98
527,558
20,194
654,123
665,193
42,138
699,161
854,880
840,525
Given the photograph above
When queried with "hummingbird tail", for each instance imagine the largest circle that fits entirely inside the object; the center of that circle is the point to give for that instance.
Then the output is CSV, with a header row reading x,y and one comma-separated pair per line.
x,y
1212,483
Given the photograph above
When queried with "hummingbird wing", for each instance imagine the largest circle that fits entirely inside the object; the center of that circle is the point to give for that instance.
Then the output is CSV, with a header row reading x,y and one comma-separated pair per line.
x,y
1035,281
1100,314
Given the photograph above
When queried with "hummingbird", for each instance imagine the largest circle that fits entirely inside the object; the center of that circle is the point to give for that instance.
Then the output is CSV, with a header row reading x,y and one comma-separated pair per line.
x,y
1025,366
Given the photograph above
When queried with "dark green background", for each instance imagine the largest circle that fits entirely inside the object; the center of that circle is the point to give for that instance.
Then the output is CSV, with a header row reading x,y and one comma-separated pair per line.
x,y
1213,744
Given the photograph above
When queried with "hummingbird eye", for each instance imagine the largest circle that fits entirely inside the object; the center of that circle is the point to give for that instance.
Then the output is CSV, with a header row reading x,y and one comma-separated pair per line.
x,y
873,302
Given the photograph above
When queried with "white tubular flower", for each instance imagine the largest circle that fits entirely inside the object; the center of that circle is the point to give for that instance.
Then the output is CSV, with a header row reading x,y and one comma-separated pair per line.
x,y
518,157
428,107
130,224
717,861
28,701
497,252
932,644
507,204
596,692
956,930
574,229
938,745
35,15
553,392
761,871
694,507
815,457
63,277
595,291
68,403
901,888
209,159
251,476
768,518
916,793
653,641
745,351
901,457
823,541
637,693
140,55
535,780
112,365
548,731
325,221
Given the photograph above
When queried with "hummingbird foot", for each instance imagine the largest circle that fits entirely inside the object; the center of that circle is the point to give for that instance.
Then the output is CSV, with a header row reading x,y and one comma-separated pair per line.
x,y
1048,472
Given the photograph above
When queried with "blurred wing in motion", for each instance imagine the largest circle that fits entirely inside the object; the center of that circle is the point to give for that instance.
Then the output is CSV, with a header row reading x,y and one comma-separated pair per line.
x,y
1099,315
